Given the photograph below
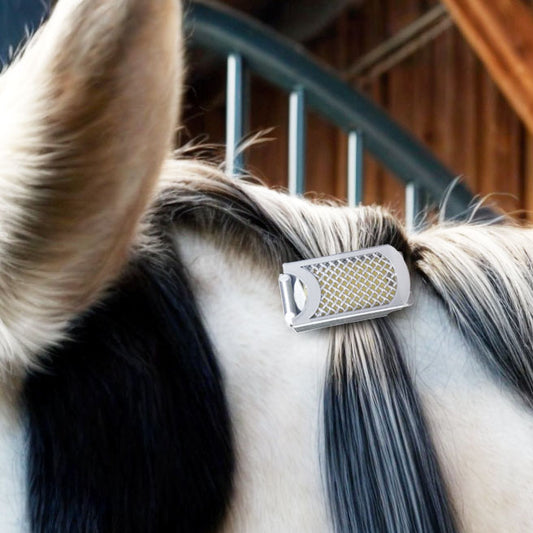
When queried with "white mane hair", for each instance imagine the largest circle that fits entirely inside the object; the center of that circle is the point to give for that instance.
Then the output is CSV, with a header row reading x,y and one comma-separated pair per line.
x,y
484,276
381,469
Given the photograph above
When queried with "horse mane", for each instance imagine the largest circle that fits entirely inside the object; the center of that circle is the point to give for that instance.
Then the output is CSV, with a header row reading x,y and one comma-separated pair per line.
x,y
381,470
483,275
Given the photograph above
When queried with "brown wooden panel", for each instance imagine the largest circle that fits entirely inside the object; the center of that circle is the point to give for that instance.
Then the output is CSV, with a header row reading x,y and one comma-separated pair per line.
x,y
374,184
322,156
528,175
401,13
444,98
401,84
323,164
269,110
343,36
457,99
501,32
469,72
500,169
374,30
423,97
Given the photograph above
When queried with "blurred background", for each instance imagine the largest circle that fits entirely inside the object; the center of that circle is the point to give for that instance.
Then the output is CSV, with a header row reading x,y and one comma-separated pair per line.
x,y
408,56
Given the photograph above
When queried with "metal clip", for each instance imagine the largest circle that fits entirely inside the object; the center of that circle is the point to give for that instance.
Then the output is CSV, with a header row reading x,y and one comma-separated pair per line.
x,y
343,288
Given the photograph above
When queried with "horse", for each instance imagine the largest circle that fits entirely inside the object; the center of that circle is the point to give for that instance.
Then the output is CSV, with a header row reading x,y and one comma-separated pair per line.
x,y
148,379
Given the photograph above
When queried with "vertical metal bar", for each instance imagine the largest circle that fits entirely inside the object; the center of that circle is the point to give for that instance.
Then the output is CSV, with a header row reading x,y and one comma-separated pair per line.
x,y
297,137
235,114
355,168
414,204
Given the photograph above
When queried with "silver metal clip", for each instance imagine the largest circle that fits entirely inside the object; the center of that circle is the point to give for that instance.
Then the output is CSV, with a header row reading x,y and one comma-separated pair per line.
x,y
343,288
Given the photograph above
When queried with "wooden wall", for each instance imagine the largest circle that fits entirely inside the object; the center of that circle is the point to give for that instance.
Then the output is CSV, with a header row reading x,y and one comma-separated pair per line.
x,y
441,93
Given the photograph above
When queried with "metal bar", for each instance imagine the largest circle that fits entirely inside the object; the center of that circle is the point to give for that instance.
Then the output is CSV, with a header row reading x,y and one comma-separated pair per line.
x,y
235,106
402,40
297,137
414,205
355,168
285,65
395,58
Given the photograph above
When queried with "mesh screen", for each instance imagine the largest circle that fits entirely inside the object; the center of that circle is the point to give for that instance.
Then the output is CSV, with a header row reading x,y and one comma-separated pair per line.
x,y
354,283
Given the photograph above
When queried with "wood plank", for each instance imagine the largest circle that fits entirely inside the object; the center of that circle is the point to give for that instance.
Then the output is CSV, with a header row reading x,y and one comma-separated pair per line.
x,y
269,110
470,71
501,145
424,97
423,94
527,193
501,32
444,98
321,157
342,37
401,103
374,31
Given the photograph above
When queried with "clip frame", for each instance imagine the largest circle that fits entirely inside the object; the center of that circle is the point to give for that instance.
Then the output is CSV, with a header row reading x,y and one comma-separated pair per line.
x,y
303,319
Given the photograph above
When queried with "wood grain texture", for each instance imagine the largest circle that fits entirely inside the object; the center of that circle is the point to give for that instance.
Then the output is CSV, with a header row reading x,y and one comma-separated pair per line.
x,y
501,32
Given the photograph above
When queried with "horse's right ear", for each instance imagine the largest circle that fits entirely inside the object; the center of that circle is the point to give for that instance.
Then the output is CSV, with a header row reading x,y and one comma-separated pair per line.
x,y
88,114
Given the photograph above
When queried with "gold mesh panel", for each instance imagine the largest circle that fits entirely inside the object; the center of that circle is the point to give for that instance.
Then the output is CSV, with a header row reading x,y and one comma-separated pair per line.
x,y
354,283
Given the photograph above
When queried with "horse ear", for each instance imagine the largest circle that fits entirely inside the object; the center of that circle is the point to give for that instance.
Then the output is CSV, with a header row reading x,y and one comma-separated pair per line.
x,y
88,114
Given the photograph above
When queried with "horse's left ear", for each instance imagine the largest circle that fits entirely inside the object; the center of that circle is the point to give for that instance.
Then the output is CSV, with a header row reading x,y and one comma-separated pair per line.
x,y
88,113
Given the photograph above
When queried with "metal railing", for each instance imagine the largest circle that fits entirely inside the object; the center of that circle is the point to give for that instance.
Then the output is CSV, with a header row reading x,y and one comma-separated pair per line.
x,y
250,45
